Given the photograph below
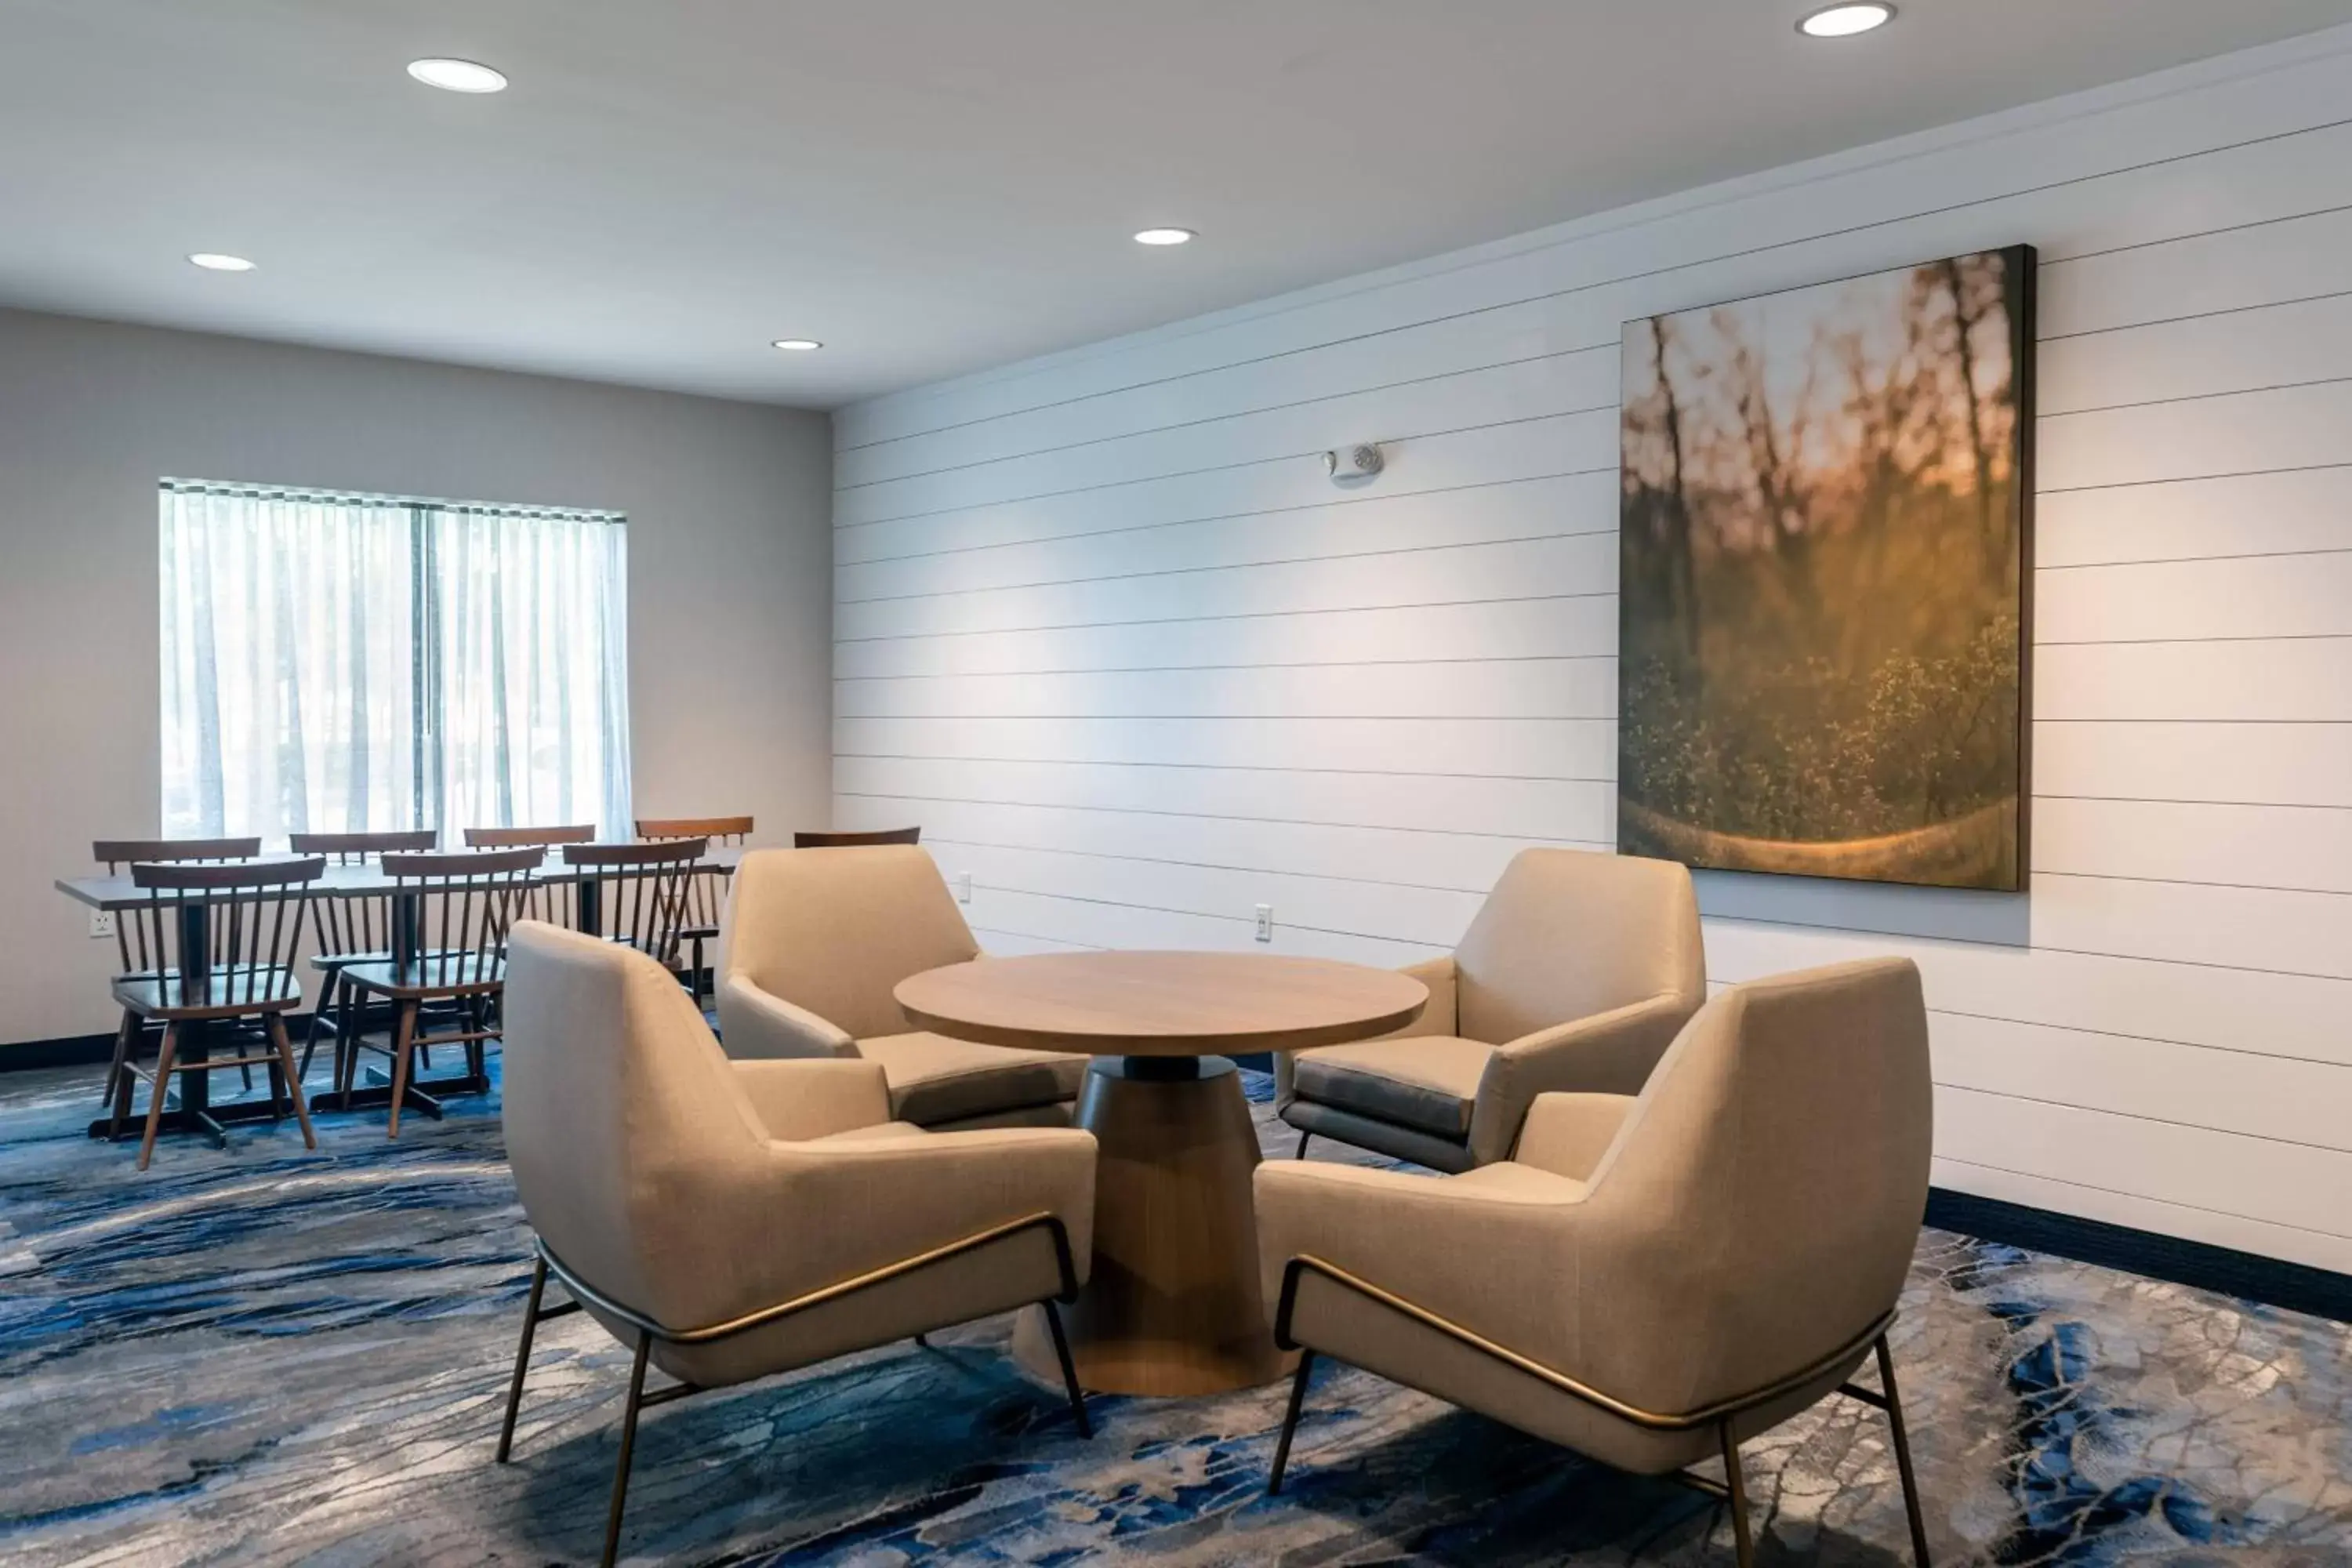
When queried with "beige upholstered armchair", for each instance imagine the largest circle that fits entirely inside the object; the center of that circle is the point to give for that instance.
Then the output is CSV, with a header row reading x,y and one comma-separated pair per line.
x,y
1651,1280
732,1219
813,941
1576,973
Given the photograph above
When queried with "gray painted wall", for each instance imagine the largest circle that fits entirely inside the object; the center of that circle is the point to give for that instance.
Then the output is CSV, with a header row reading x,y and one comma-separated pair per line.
x,y
730,562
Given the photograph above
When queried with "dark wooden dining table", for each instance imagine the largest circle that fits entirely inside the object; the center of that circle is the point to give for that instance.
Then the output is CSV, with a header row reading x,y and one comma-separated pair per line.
x,y
196,1113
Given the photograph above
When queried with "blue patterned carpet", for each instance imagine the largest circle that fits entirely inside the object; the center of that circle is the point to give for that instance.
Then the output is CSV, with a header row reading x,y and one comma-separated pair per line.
x,y
263,1356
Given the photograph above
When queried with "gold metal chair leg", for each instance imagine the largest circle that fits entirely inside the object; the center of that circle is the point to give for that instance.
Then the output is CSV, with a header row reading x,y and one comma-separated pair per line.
x,y
522,1357
628,1447
1290,1422
1902,1453
1736,1489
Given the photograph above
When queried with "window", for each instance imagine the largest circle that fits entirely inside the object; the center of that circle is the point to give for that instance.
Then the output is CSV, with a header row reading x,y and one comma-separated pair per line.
x,y
340,663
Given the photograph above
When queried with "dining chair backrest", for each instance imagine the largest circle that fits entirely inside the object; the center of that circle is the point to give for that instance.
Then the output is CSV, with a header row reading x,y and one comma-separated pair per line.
x,y
116,853
537,837
717,829
351,923
706,891
466,902
549,901
856,840
131,936
358,848
640,889
254,911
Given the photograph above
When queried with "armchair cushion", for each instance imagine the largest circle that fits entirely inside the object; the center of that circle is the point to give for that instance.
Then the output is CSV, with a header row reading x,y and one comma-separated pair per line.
x,y
1426,1081
935,1080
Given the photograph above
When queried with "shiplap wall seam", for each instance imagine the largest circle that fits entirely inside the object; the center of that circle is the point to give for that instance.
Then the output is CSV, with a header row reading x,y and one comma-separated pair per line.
x,y
1103,625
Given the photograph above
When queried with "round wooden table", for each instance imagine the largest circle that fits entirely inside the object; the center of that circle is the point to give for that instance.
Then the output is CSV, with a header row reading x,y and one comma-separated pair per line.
x,y
1174,1304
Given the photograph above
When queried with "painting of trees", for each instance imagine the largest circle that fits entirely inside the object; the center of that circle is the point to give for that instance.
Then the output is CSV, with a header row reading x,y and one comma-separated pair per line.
x,y
1824,563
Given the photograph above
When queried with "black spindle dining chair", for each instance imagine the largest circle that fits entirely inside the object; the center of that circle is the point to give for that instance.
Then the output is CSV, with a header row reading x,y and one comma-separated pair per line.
x,y
705,893
462,904
350,928
130,935
810,840
545,900
638,890
253,912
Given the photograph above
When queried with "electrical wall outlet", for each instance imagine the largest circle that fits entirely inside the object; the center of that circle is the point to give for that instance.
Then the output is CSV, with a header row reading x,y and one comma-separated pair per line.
x,y
963,887
102,924
1266,922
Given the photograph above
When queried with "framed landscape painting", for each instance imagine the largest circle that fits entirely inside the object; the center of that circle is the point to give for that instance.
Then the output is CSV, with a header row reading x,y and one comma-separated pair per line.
x,y
1826,567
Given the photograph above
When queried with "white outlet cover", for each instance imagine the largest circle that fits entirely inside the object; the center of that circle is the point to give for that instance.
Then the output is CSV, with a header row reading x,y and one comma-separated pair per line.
x,y
1266,922
101,923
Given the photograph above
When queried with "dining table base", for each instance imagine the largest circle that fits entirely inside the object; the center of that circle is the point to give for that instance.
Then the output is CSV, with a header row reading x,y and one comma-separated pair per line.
x,y
1174,1304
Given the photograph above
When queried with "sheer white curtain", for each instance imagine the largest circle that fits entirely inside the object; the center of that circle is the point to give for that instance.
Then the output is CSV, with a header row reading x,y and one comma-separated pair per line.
x,y
288,692
531,640
335,663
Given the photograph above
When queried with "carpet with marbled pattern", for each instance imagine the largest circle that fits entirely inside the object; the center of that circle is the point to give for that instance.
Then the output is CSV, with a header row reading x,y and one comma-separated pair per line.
x,y
266,1356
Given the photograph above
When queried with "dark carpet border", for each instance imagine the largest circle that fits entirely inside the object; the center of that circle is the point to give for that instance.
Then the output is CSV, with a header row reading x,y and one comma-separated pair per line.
x,y
2271,1281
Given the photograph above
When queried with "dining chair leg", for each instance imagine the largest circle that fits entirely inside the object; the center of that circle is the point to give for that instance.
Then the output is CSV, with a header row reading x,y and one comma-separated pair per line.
x,y
1069,1370
1902,1453
1304,1139
1290,1422
126,1083
284,1047
1736,1498
403,1045
126,1037
628,1445
163,1084
522,1357
346,1041
328,986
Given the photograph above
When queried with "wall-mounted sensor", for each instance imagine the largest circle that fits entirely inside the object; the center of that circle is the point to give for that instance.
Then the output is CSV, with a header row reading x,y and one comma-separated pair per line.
x,y
1359,461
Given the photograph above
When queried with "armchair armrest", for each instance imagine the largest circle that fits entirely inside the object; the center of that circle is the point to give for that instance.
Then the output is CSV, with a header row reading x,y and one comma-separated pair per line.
x,y
898,1195
813,1096
1608,1053
751,1022
1566,1134
1440,1016
1491,1256
1437,1018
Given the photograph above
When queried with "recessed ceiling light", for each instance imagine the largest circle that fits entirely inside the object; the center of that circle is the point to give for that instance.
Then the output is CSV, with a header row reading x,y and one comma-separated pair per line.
x,y
214,261
1162,236
457,76
1844,21
797,345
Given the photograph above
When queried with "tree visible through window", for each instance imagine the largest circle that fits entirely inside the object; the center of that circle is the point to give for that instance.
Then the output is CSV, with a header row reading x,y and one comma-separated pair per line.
x,y
364,663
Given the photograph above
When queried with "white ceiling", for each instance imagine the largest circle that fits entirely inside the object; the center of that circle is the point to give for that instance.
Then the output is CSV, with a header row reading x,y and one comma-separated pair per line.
x,y
931,186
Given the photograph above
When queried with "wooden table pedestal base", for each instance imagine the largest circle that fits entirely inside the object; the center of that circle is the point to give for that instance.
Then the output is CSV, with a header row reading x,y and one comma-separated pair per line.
x,y
1173,1305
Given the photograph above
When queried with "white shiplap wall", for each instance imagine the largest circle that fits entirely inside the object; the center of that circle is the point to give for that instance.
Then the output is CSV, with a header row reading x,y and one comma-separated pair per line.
x,y
1107,631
